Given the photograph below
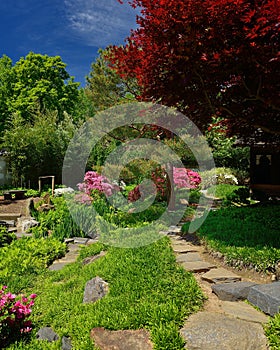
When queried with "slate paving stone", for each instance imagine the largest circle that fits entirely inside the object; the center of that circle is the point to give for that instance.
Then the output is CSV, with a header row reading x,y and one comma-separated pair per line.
x,y
220,275
243,311
232,291
215,331
121,340
198,266
47,333
266,297
188,257
184,248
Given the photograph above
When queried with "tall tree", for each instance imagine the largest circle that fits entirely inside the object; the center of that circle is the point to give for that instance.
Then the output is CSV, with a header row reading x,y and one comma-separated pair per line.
x,y
210,57
5,88
38,83
105,88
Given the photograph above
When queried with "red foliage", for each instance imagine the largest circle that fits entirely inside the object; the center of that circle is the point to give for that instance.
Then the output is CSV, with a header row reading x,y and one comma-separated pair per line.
x,y
208,57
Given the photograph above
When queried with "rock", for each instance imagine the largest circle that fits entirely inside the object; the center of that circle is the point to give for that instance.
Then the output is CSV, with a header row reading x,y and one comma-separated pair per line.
x,y
46,333
60,191
91,259
80,240
188,257
215,331
121,340
27,223
198,266
184,248
95,289
45,207
232,291
66,344
244,312
266,297
220,275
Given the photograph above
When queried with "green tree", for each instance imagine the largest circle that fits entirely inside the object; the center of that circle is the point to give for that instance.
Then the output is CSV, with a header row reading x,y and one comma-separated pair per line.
x,y
5,87
105,88
37,148
39,83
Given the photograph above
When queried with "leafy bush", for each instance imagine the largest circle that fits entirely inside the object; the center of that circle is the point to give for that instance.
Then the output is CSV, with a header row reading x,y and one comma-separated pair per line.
x,y
14,314
5,236
26,257
218,176
246,236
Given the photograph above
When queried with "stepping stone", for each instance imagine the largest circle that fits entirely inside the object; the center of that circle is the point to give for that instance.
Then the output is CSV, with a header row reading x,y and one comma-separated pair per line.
x,y
215,331
121,340
91,259
220,275
95,289
198,266
184,248
244,312
174,229
188,257
56,266
266,297
80,240
232,291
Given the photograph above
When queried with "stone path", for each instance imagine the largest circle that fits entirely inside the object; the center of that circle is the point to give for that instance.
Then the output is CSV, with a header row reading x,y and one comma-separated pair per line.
x,y
74,246
226,321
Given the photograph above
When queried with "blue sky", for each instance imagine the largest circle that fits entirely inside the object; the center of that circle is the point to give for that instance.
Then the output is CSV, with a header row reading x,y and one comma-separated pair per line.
x,y
72,29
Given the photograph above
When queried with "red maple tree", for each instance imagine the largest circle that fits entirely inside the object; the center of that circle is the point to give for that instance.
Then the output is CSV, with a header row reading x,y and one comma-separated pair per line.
x,y
208,57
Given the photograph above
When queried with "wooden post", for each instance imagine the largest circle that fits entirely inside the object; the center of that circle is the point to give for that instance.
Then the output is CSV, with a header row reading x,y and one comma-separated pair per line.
x,y
40,187
52,185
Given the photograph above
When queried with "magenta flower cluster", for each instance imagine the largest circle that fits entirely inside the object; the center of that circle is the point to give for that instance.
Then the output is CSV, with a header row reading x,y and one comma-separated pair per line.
x,y
94,181
14,313
186,178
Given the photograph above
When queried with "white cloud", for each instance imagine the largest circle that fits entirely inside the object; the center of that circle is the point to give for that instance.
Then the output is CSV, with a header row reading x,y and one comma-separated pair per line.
x,y
100,22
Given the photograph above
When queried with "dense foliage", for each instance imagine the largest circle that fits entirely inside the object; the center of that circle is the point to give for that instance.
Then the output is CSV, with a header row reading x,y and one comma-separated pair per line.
x,y
206,58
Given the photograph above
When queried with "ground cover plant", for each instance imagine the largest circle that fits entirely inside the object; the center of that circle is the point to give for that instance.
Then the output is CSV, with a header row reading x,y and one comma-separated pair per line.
x,y
272,331
146,289
26,258
246,236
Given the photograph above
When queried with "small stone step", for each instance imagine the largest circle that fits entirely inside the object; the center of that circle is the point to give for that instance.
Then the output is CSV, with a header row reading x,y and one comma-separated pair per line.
x,y
198,266
174,229
188,257
184,248
266,297
10,216
244,312
215,331
232,291
80,240
220,275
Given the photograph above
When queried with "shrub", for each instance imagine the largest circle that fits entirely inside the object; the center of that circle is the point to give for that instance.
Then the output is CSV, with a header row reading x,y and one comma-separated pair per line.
x,y
5,236
14,314
218,176
230,193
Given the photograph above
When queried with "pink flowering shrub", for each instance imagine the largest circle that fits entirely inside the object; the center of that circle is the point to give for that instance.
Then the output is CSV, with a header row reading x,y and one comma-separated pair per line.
x,y
14,313
182,177
186,178
95,182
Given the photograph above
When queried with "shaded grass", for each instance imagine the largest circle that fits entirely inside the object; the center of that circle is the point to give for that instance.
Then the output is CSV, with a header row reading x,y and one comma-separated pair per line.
x,y
147,289
247,236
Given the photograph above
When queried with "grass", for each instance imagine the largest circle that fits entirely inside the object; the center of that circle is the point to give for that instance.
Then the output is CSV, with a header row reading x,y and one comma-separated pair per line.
x,y
147,289
246,236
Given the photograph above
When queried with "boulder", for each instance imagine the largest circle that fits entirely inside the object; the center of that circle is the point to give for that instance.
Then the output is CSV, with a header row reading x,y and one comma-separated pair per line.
x,y
95,289
266,297
47,333
232,291
66,344
27,223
